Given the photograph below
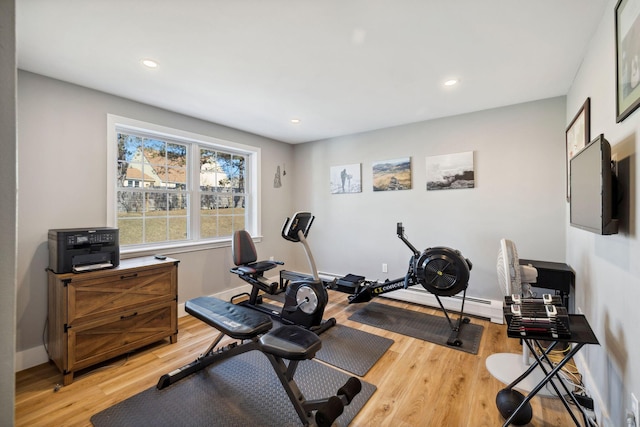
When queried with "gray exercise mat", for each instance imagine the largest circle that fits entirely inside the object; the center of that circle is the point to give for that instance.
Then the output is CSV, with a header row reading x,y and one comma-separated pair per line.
x,y
241,391
423,326
350,349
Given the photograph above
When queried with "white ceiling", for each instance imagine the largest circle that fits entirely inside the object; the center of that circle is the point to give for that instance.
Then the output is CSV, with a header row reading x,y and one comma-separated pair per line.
x,y
340,66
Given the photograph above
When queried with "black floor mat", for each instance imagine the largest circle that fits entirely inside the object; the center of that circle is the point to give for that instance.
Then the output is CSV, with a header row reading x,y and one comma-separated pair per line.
x,y
423,326
241,391
350,349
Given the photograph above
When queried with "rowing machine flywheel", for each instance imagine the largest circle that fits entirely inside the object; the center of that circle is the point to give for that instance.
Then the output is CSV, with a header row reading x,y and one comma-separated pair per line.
x,y
442,271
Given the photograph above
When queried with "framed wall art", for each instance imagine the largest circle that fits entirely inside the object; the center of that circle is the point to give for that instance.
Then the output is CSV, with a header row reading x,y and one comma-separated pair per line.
x,y
450,171
577,136
627,24
392,175
345,179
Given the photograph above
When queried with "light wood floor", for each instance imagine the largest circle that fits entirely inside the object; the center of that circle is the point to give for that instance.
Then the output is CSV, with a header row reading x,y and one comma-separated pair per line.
x,y
419,383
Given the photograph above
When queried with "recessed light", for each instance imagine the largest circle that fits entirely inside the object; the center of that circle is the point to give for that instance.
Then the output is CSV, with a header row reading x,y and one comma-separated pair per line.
x,y
295,121
451,82
149,63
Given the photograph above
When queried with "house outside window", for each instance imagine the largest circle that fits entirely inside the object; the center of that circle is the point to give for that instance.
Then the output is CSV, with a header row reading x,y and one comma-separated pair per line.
x,y
174,189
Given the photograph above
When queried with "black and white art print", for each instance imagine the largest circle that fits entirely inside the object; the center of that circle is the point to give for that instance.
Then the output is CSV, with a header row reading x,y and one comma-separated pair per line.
x,y
345,179
450,171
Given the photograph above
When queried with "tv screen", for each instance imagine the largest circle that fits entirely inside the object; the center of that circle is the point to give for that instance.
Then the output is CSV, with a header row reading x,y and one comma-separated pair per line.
x,y
593,196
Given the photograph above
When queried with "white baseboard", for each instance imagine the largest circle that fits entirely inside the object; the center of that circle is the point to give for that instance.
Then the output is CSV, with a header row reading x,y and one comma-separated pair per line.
x,y
600,408
35,356
30,357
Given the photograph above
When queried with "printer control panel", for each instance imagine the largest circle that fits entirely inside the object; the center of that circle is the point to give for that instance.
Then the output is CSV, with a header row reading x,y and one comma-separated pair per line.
x,y
91,238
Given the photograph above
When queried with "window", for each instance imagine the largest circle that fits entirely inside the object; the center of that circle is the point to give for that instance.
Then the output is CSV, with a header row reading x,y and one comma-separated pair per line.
x,y
170,188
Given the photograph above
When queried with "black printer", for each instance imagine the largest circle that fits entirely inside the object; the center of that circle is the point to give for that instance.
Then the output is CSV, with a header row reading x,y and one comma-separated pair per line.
x,y
83,249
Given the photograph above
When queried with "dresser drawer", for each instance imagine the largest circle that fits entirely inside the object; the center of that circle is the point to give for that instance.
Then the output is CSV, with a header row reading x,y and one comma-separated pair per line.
x,y
96,297
96,341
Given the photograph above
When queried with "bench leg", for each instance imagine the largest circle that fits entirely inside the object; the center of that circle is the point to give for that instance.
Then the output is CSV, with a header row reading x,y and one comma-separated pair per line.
x,y
209,357
326,410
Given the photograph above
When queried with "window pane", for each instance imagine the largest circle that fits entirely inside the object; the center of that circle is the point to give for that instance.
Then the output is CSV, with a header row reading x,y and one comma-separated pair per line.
x,y
155,230
225,225
155,152
129,204
238,222
224,179
178,217
155,204
177,162
211,175
208,227
177,155
237,172
178,228
130,231
128,146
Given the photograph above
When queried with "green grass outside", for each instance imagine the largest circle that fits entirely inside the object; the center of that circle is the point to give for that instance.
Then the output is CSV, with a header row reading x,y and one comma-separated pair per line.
x,y
160,226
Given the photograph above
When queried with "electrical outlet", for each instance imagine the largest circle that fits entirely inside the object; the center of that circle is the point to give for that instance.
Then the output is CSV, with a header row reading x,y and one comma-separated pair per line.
x,y
635,409
271,258
384,267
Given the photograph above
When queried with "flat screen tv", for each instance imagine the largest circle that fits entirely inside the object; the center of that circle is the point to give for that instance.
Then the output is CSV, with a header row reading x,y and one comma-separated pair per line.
x,y
593,189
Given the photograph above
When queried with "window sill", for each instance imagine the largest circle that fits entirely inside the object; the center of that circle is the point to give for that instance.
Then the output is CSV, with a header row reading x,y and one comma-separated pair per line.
x,y
177,248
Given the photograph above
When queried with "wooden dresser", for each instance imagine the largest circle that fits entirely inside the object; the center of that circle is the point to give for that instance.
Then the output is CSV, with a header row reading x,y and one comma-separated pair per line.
x,y
97,315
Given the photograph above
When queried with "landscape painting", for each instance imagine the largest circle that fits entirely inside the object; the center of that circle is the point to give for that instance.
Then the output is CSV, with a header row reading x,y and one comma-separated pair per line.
x,y
450,171
392,175
345,179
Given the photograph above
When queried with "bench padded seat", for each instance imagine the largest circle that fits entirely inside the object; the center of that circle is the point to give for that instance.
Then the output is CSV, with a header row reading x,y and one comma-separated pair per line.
x,y
291,342
233,320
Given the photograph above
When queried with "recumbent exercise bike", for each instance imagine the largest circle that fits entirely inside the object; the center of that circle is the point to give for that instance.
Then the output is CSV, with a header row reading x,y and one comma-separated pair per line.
x,y
440,270
305,300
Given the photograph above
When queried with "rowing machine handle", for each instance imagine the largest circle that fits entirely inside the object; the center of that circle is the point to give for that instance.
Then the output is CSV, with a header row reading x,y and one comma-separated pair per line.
x,y
400,232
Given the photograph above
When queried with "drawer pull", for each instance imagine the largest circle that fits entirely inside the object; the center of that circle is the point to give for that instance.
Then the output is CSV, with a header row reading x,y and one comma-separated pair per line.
x,y
130,276
129,316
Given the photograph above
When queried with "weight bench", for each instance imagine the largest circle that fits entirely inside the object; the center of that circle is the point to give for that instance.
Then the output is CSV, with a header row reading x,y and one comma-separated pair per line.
x,y
288,342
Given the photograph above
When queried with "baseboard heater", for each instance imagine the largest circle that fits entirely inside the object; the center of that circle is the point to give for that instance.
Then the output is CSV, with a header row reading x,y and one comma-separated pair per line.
x,y
480,307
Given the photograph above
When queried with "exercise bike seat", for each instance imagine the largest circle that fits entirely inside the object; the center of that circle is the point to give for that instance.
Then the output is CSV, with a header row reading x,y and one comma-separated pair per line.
x,y
233,320
245,256
291,342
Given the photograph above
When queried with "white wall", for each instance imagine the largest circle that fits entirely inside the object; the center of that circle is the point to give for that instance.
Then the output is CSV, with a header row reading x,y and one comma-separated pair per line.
x,y
8,173
520,193
608,267
62,136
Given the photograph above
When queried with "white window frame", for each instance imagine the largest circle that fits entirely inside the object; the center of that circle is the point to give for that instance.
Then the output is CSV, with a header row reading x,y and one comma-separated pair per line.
x,y
116,124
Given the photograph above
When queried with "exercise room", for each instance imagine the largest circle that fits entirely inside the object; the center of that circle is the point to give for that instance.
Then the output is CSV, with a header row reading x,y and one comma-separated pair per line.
x,y
336,213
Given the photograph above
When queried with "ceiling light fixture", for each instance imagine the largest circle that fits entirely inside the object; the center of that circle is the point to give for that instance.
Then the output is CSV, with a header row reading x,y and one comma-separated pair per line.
x,y
295,121
451,82
149,63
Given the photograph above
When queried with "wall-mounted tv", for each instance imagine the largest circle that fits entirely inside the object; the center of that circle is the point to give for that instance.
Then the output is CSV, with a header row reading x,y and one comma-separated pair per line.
x,y
594,189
